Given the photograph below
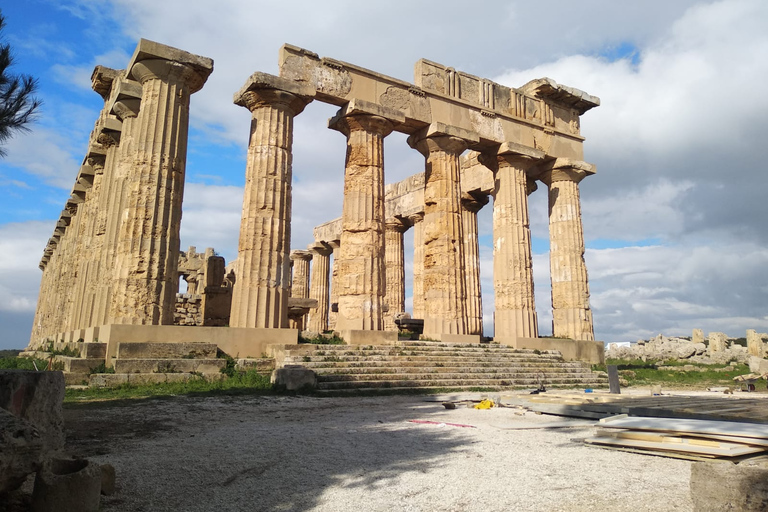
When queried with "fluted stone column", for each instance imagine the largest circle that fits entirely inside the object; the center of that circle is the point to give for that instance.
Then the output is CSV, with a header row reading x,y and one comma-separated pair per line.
x,y
418,266
474,295
571,314
114,197
334,296
515,315
300,282
148,248
444,281
362,277
395,265
260,297
318,286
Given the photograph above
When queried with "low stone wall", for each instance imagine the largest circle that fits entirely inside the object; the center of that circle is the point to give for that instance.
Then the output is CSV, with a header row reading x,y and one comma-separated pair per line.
x,y
592,352
189,309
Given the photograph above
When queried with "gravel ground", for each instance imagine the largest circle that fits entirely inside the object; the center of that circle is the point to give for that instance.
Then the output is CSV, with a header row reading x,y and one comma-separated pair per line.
x,y
361,454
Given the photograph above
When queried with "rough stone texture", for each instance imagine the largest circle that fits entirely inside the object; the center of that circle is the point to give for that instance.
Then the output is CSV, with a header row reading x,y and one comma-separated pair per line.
x,y
300,284
395,268
474,298
146,281
362,278
571,314
755,344
317,320
294,378
189,309
723,486
697,336
418,267
443,278
108,479
758,365
718,341
36,397
21,451
263,268
67,485
333,312
512,257
662,348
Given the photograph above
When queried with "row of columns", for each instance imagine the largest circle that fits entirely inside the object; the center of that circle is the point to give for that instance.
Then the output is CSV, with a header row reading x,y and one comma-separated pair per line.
x,y
116,260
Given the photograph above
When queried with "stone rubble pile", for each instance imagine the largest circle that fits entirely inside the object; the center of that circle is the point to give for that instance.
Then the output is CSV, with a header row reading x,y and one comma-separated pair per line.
x,y
717,348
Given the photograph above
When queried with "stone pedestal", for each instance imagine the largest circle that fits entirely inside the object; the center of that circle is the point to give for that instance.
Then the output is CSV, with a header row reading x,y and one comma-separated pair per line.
x,y
146,280
470,206
300,283
361,269
260,296
318,286
395,265
515,315
444,281
572,316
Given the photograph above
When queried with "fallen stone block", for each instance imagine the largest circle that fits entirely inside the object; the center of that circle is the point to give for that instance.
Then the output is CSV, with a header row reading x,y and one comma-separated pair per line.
x,y
724,486
294,378
37,398
21,451
758,365
108,479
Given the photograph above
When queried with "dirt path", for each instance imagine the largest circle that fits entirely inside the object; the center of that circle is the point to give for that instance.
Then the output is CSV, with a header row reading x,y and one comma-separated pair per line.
x,y
360,454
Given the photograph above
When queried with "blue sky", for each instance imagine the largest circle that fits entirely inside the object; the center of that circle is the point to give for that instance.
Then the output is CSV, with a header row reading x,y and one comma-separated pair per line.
x,y
672,219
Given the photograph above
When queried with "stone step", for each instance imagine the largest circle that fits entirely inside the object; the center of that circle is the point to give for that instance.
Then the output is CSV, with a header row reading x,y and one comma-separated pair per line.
x,y
437,363
325,377
461,383
445,359
160,350
395,370
418,351
169,365
78,365
260,365
110,380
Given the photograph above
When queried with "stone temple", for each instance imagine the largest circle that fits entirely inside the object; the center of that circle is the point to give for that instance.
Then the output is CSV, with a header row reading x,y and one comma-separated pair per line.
x,y
112,267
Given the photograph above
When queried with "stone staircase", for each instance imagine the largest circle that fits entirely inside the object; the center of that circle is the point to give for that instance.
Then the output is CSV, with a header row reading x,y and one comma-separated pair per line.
x,y
424,365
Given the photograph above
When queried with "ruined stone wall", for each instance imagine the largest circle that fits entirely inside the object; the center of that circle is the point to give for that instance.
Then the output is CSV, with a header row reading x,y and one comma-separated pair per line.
x,y
189,309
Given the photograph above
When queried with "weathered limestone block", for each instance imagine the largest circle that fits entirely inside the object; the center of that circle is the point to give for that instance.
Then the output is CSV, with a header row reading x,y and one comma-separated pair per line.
x,y
67,485
362,277
571,313
36,397
146,278
697,336
21,451
718,341
418,266
294,378
333,311
758,365
723,486
443,274
395,268
755,344
317,320
263,269
512,257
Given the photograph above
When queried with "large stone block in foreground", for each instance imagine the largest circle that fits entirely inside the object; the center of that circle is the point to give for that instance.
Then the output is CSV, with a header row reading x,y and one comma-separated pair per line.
x,y
21,451
36,397
294,378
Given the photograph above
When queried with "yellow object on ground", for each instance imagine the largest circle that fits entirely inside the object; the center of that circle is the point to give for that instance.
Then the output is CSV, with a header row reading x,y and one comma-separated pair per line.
x,y
485,404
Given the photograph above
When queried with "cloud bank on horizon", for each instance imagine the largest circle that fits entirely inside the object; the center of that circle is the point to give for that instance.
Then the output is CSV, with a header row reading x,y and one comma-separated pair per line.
x,y
673,218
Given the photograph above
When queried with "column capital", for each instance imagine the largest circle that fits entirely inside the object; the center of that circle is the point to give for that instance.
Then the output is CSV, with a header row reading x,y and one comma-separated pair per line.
x,y
298,254
168,71
441,137
565,169
155,60
127,108
511,154
396,224
364,115
320,248
473,202
263,89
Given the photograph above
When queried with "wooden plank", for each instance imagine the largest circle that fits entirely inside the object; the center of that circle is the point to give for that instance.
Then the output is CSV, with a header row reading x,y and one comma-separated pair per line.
x,y
639,451
565,410
728,428
659,437
672,447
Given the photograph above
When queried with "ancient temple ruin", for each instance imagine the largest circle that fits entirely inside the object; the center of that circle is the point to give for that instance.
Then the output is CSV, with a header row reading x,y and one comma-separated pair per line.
x,y
111,269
